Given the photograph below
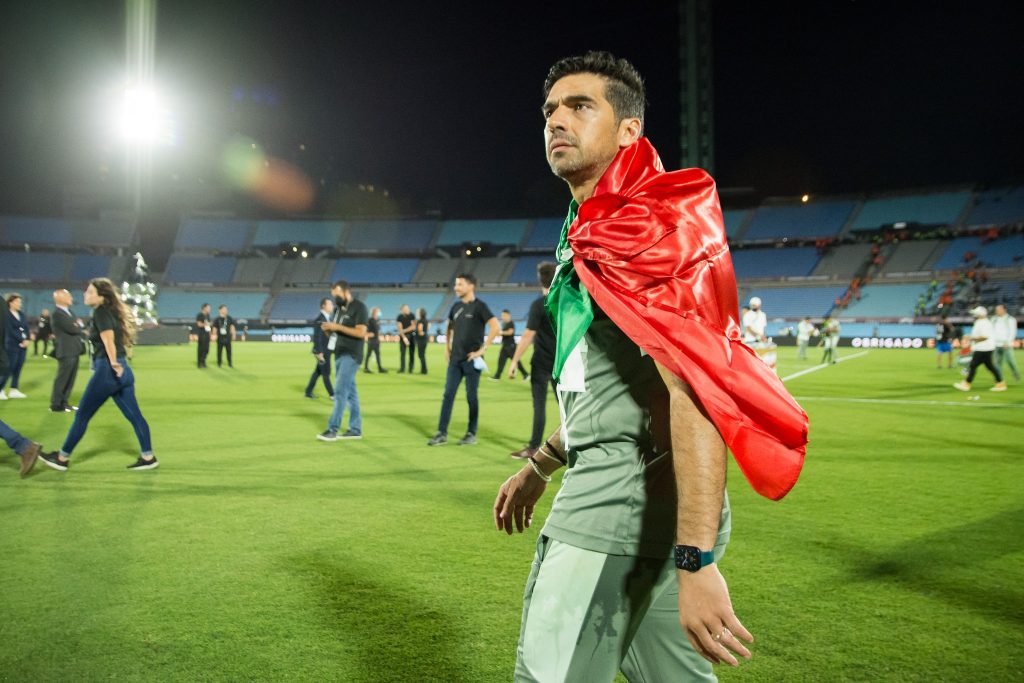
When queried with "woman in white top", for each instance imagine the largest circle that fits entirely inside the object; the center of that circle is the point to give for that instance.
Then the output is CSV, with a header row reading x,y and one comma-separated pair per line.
x,y
982,346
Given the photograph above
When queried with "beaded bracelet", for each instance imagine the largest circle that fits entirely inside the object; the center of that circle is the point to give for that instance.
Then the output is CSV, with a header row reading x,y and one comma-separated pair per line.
x,y
538,471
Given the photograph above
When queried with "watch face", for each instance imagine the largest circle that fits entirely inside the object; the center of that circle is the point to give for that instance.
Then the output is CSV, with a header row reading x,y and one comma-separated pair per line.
x,y
688,557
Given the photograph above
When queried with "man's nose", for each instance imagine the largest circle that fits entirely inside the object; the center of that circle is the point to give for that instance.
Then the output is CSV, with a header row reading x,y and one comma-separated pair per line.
x,y
557,119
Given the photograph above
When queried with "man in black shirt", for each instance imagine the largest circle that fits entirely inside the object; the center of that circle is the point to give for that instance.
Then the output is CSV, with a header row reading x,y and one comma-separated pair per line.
x,y
466,322
203,335
348,334
508,346
539,333
225,326
407,342
323,363
43,332
373,340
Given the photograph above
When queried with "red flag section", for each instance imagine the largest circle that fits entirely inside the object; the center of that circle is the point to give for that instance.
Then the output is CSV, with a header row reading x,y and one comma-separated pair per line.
x,y
650,247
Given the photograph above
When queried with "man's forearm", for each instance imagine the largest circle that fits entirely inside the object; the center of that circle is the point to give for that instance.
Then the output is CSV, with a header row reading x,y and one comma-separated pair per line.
x,y
524,342
698,459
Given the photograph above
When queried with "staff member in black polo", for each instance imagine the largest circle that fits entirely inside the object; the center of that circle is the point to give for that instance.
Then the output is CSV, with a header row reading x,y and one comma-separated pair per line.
x,y
466,322
225,326
320,352
541,334
406,322
508,346
43,332
203,335
373,340
348,334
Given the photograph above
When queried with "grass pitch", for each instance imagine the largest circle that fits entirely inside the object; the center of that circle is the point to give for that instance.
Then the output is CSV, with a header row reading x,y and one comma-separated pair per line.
x,y
257,552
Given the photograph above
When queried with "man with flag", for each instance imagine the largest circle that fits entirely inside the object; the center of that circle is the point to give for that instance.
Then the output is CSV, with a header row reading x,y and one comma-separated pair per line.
x,y
654,383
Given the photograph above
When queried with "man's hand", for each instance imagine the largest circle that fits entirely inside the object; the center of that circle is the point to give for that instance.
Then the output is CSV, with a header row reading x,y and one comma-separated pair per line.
x,y
473,355
320,357
516,499
512,371
705,613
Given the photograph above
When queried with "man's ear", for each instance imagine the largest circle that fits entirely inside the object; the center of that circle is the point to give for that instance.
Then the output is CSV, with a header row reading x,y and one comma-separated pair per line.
x,y
630,130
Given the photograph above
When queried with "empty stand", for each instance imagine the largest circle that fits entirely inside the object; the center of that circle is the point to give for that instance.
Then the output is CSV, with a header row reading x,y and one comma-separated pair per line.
x,y
439,271
525,270
808,221
454,233
924,209
734,221
998,207
217,270
18,230
886,301
795,302
771,263
545,233
910,257
491,270
314,233
26,266
176,304
517,303
207,234
1005,252
296,306
390,303
256,271
389,236
375,270
312,271
88,266
843,261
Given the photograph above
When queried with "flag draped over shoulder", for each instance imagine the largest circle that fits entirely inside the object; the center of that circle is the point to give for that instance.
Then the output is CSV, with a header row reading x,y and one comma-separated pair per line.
x,y
649,248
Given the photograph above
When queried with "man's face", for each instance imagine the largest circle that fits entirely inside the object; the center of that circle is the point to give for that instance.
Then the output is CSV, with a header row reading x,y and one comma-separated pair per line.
x,y
223,310
339,293
405,310
505,317
329,306
205,310
1000,310
462,287
581,135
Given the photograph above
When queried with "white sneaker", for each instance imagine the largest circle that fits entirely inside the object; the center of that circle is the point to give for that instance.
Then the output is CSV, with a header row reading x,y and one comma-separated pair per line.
x,y
3,396
17,394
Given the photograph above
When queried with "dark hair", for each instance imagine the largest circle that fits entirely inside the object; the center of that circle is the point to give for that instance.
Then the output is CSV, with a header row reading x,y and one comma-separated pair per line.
x,y
546,273
222,306
203,306
325,300
11,297
468,277
505,310
421,313
340,283
624,89
125,318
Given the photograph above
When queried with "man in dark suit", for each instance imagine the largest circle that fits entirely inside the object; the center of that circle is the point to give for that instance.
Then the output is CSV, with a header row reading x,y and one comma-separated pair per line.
x,y
323,363
203,335
68,346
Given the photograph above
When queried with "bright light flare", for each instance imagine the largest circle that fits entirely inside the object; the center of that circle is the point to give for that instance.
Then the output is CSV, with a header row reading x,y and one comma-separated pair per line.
x,y
143,119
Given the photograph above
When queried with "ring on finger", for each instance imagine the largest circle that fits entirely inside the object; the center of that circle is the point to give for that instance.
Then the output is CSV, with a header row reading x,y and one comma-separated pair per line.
x,y
721,635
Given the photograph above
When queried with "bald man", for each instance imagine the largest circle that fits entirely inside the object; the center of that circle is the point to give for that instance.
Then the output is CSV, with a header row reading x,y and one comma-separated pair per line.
x,y
68,346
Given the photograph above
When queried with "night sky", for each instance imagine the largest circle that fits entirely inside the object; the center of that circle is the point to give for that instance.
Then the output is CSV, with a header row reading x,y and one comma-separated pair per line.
x,y
439,103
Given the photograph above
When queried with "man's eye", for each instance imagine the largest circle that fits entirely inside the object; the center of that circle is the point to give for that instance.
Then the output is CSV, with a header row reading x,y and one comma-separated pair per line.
x,y
581,106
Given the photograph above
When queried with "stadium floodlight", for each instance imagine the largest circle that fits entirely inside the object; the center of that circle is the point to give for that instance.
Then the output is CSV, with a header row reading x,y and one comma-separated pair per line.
x,y
142,118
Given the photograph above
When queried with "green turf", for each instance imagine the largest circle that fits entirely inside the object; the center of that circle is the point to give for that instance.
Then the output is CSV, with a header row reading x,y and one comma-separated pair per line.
x,y
256,552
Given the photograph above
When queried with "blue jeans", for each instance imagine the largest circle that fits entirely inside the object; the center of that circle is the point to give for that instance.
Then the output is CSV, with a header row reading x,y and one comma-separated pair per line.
x,y
16,359
102,385
16,441
345,394
456,371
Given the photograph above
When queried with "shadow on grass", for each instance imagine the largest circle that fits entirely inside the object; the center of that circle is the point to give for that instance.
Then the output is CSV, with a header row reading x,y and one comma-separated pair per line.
x,y
393,634
949,565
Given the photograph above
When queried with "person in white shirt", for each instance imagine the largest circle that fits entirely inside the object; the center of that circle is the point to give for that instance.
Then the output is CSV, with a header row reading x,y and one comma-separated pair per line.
x,y
804,330
754,323
1004,329
982,347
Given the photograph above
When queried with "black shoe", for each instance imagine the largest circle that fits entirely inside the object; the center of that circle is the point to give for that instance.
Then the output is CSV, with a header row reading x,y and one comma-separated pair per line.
x,y
59,410
53,461
468,440
328,435
309,395
349,434
382,371
438,439
143,464
368,371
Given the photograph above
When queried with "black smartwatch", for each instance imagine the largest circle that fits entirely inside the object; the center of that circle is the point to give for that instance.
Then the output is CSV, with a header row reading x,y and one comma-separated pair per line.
x,y
692,558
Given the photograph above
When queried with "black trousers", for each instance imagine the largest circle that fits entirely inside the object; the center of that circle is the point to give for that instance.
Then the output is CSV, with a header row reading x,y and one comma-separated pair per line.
x,y
203,350
371,350
409,350
64,382
540,380
35,344
222,346
322,370
421,349
507,352
983,358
